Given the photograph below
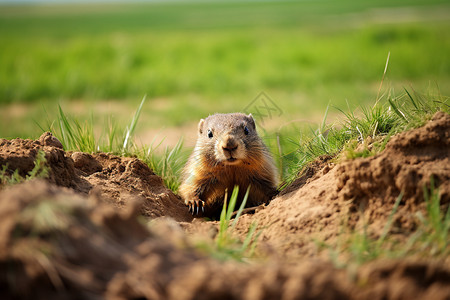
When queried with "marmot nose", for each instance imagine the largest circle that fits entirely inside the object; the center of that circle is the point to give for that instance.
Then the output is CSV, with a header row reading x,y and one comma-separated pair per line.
x,y
230,145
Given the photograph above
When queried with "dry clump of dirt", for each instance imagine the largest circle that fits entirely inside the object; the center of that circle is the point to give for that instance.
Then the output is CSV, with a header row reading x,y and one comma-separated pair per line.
x,y
359,191
56,244
122,179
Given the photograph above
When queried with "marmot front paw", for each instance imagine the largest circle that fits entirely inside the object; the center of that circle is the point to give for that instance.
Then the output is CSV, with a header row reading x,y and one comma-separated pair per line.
x,y
195,206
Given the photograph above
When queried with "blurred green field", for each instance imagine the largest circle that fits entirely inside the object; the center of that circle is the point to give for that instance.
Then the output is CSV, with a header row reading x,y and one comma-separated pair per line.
x,y
194,59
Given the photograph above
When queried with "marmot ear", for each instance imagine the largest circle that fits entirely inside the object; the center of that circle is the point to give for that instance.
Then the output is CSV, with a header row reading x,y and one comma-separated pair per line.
x,y
200,126
251,120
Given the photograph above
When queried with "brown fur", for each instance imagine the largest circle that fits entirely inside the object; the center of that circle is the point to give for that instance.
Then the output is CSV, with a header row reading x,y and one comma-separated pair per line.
x,y
229,157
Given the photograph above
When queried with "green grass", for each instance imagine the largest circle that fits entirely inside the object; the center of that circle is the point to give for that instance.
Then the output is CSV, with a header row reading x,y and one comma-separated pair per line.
x,y
361,133
195,59
80,136
167,164
226,245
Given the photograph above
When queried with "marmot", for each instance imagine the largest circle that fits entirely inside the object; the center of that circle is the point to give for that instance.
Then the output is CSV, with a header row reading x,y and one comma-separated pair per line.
x,y
228,152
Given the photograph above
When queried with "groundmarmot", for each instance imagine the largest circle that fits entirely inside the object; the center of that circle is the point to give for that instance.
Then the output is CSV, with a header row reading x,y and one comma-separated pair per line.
x,y
228,152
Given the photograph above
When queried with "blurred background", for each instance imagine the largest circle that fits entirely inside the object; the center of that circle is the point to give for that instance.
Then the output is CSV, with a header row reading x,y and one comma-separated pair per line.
x,y
97,60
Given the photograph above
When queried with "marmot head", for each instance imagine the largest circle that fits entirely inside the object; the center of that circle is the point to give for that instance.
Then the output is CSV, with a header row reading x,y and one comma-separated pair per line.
x,y
229,139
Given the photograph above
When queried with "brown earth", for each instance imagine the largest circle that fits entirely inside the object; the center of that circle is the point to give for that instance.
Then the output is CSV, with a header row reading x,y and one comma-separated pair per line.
x,y
121,179
360,191
78,235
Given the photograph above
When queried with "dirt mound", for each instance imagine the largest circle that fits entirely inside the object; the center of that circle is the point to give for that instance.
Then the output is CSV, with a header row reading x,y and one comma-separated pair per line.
x,y
19,154
403,169
122,179
359,191
56,244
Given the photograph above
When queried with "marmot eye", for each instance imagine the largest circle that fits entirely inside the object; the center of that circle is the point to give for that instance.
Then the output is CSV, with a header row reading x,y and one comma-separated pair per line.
x,y
246,130
210,134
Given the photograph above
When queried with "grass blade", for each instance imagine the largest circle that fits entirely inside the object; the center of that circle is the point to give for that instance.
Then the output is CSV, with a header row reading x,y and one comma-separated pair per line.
x,y
232,203
396,110
130,130
241,208
411,98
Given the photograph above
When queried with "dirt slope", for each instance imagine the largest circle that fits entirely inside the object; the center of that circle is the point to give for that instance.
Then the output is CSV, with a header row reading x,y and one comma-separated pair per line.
x,y
360,191
78,235
122,179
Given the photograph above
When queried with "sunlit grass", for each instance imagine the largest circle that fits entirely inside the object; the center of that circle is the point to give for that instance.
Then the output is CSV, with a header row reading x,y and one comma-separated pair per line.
x,y
167,164
80,136
227,245
361,133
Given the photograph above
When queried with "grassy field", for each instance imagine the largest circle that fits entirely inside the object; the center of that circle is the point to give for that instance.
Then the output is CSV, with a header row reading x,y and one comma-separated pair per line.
x,y
192,60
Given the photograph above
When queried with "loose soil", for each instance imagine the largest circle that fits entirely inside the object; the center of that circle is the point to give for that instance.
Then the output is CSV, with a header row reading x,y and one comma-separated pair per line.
x,y
330,198
103,226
